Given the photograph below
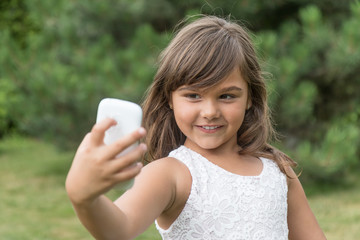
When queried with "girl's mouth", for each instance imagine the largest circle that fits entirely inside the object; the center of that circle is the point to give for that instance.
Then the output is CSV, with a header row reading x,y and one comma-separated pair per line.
x,y
209,129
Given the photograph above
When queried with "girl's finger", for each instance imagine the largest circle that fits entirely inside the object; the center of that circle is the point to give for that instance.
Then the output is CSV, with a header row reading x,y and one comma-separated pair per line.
x,y
85,142
129,159
120,145
128,173
98,131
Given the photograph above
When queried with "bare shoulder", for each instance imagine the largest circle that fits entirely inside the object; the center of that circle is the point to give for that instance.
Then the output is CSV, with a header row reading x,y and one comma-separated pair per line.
x,y
168,168
166,162
155,191
178,176
157,178
168,173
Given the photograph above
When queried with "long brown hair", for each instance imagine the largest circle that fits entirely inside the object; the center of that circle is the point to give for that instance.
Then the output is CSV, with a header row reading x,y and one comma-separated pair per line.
x,y
202,54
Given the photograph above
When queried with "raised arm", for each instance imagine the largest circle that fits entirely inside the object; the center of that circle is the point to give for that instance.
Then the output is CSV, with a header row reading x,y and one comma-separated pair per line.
x,y
301,220
95,170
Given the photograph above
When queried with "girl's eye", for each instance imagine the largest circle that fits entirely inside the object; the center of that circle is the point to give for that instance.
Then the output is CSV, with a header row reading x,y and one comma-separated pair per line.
x,y
193,96
227,96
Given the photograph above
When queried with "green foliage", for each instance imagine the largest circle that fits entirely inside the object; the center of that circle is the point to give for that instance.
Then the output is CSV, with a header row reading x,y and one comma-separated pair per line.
x,y
334,156
66,69
316,68
14,17
300,105
8,98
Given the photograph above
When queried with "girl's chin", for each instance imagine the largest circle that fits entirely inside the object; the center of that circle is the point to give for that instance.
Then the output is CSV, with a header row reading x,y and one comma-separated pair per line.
x,y
203,145
211,144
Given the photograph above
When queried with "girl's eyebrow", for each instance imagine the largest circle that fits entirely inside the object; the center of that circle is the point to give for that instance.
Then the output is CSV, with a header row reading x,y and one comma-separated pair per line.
x,y
231,88
187,88
226,89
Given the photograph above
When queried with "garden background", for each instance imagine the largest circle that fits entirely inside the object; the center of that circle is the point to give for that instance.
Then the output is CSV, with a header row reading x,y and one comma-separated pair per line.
x,y
58,59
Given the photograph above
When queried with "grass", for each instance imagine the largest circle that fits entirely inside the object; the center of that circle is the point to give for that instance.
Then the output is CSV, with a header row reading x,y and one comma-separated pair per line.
x,y
33,201
34,205
337,207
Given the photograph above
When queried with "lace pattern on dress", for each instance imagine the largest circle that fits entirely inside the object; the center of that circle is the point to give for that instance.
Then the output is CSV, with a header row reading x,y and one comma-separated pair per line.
x,y
224,205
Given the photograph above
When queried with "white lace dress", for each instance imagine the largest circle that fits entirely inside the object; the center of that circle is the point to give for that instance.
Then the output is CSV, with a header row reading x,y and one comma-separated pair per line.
x,y
223,205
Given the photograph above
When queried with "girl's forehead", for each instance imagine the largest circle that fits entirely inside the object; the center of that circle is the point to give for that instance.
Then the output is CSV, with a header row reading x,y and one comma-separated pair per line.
x,y
233,81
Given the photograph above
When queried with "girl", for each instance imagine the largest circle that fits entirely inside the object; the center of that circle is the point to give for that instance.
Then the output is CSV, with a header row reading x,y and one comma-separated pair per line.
x,y
216,176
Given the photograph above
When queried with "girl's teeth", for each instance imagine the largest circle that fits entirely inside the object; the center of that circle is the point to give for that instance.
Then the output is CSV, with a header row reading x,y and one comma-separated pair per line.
x,y
209,128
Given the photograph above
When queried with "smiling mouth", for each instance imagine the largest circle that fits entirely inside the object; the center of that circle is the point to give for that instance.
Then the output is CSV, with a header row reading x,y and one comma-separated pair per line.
x,y
209,127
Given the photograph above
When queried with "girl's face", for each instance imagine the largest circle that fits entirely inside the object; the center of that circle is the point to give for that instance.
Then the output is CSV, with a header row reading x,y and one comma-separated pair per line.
x,y
211,118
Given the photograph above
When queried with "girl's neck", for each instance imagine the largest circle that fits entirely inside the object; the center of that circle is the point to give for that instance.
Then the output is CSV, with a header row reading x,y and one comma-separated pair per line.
x,y
228,158
221,152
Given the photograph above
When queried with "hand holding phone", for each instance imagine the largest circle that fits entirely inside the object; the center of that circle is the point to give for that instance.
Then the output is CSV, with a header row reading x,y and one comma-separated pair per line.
x,y
128,116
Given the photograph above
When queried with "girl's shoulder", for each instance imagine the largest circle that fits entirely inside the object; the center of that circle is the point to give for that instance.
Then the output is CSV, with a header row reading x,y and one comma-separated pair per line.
x,y
168,165
171,166
173,173
170,170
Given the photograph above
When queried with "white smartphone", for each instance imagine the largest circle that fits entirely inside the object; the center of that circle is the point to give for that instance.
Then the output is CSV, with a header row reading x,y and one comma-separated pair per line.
x,y
128,116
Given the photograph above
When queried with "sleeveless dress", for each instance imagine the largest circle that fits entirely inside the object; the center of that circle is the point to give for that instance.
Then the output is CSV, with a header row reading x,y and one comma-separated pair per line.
x,y
223,205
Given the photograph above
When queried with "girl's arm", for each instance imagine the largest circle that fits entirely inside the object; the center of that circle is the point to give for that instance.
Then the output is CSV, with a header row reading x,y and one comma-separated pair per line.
x,y
157,191
95,171
301,220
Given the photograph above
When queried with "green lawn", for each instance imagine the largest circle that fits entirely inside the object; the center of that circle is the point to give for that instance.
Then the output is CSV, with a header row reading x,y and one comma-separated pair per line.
x,y
34,205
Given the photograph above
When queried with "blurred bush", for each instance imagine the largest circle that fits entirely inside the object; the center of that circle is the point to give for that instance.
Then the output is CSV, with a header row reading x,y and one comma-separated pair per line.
x,y
316,67
76,57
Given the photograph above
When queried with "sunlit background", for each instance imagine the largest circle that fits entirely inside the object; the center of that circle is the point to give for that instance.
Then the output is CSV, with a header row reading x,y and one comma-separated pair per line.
x,y
59,58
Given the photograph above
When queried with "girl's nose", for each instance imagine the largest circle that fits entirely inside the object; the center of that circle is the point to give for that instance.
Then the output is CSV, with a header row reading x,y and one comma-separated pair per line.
x,y
210,110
